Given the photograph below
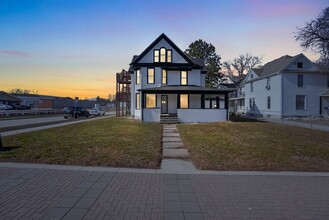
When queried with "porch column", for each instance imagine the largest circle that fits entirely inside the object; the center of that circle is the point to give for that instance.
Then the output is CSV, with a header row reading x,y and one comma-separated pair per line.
x,y
217,101
202,101
210,102
143,105
178,101
226,106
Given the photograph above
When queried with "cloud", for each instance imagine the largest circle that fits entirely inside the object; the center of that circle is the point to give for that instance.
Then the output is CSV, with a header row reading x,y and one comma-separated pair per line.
x,y
15,53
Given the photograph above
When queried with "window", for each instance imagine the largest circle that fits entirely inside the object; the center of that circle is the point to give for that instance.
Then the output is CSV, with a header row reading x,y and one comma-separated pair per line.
x,y
300,65
169,56
251,87
164,77
163,55
150,76
156,56
300,80
268,102
138,100
300,102
183,101
250,103
138,77
268,82
150,100
183,77
251,76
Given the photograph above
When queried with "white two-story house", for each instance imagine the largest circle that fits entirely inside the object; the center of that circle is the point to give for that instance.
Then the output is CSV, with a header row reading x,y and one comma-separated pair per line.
x,y
166,83
287,87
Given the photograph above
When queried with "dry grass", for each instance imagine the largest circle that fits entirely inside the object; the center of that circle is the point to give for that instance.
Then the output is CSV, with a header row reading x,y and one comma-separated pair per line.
x,y
256,146
105,142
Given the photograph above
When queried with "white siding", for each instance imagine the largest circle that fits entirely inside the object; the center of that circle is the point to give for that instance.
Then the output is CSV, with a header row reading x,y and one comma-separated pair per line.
x,y
201,115
314,86
260,94
151,115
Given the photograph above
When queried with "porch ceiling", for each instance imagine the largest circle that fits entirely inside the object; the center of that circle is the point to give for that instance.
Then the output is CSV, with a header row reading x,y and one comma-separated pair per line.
x,y
185,90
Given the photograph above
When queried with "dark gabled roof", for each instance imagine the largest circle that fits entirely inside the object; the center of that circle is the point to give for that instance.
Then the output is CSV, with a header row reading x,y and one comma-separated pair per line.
x,y
185,89
274,66
163,36
8,98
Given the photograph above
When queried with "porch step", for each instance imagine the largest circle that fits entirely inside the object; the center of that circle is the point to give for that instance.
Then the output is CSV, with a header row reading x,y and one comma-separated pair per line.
x,y
168,119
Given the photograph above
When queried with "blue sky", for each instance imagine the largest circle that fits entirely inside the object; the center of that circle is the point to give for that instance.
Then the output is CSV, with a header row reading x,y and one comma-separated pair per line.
x,y
75,47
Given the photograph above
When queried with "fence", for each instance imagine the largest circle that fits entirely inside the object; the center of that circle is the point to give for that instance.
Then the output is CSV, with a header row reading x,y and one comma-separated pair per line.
x,y
313,121
30,112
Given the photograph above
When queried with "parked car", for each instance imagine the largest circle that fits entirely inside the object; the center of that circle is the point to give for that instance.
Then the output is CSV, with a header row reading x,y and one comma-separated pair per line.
x,y
20,107
75,112
6,107
96,112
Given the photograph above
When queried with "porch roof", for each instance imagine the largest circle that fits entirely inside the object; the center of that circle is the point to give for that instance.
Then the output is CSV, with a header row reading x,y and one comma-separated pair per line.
x,y
326,93
185,89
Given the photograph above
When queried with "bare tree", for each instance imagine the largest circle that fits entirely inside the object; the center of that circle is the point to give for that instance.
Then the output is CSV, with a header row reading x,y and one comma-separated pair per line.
x,y
315,36
240,66
19,91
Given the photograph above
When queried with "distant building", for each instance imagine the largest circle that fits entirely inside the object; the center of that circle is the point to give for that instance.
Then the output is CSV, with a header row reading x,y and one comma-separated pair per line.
x,y
8,99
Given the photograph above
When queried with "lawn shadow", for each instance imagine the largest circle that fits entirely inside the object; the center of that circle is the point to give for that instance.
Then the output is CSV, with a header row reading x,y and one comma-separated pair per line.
x,y
235,118
9,148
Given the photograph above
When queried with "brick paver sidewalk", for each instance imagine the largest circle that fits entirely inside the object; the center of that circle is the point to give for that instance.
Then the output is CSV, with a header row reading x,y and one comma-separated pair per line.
x,y
74,194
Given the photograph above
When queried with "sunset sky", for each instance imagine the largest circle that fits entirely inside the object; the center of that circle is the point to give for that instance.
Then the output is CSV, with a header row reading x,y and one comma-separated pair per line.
x,y
75,47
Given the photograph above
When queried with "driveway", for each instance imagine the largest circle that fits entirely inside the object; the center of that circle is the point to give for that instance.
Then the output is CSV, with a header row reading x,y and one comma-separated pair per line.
x,y
70,192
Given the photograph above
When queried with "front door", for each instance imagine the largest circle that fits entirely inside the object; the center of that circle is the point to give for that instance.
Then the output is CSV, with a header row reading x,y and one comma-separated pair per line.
x,y
164,104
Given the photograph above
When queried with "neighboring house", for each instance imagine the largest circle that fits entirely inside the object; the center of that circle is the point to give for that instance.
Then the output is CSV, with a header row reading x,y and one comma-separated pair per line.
x,y
165,82
8,99
236,98
285,87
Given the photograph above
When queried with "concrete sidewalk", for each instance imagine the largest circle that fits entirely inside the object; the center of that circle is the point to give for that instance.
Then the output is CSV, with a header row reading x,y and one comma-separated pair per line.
x,y
8,133
72,192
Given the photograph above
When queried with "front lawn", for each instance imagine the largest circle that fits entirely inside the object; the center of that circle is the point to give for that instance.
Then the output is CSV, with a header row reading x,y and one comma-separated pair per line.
x,y
113,142
256,146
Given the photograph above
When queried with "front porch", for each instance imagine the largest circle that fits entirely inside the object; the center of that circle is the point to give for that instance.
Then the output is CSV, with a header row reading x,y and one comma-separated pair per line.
x,y
187,104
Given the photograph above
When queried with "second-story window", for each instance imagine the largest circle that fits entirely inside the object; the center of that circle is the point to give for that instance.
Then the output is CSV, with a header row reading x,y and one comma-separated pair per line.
x,y
156,56
150,75
164,77
300,80
268,82
183,77
163,55
138,77
251,87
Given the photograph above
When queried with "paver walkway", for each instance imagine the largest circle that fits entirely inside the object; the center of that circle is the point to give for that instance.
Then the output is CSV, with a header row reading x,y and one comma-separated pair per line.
x,y
70,192
174,155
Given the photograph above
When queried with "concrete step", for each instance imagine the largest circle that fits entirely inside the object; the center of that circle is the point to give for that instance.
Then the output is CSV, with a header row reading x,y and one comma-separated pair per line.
x,y
177,166
172,145
175,153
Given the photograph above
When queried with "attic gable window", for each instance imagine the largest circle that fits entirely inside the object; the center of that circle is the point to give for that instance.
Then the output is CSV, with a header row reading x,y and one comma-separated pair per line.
x,y
300,65
169,56
163,55
156,56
